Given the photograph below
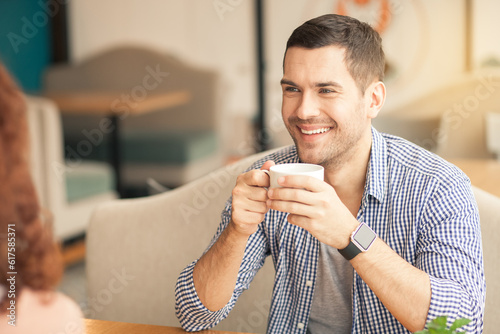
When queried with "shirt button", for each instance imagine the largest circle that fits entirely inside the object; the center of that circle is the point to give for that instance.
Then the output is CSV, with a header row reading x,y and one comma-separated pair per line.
x,y
309,283
300,325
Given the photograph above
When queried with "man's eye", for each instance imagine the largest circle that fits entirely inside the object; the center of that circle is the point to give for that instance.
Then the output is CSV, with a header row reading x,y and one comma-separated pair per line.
x,y
326,91
291,89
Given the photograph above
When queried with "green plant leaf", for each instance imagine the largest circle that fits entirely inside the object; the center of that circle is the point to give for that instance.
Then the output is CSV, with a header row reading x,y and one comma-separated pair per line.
x,y
459,323
438,323
438,326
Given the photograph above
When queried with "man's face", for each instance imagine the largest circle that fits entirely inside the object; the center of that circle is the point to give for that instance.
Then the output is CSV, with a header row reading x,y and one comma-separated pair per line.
x,y
323,109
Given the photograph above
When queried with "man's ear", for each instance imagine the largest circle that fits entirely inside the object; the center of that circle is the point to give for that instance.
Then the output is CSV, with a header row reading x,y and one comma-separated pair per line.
x,y
376,98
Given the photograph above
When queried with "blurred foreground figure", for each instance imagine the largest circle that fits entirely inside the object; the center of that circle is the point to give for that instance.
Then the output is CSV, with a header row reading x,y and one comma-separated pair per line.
x,y
30,260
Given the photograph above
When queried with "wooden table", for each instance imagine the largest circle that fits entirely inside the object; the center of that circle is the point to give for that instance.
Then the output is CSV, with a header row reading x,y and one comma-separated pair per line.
x,y
115,327
117,106
483,173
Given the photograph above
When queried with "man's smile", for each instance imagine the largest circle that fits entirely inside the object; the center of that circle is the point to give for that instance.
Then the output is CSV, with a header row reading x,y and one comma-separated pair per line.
x,y
314,131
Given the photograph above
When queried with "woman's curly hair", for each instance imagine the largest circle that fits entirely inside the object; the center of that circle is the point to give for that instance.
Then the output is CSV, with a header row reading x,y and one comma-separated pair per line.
x,y
38,260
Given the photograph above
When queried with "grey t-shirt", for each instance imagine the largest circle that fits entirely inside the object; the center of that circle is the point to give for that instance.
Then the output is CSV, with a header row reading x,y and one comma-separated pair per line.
x,y
331,310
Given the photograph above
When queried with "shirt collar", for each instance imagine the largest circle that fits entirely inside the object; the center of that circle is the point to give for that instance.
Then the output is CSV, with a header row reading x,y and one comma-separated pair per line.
x,y
377,168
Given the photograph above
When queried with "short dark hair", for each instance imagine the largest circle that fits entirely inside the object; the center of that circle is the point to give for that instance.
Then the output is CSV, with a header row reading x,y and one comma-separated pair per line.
x,y
364,56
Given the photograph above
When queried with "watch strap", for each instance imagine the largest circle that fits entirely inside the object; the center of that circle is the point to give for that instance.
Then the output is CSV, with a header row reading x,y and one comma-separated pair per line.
x,y
350,251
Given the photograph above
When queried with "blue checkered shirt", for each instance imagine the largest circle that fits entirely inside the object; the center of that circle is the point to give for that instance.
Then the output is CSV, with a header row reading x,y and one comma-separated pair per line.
x,y
419,204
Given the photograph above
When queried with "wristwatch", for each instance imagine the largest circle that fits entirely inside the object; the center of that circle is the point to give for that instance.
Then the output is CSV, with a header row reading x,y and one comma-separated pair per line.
x,y
361,240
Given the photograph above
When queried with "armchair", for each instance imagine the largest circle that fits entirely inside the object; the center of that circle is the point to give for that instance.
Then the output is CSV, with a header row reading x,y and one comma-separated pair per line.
x,y
489,210
136,249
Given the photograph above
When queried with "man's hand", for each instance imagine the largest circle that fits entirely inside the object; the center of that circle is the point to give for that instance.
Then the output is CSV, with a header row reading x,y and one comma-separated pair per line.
x,y
250,200
315,206
215,274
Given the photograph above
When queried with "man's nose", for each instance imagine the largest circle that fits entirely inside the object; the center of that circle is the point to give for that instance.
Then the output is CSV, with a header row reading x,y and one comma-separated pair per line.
x,y
308,107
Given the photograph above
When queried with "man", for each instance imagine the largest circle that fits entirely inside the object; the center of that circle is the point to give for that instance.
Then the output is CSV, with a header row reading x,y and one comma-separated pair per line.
x,y
402,218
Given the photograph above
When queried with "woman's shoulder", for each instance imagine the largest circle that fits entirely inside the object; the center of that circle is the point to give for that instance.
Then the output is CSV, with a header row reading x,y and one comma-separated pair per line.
x,y
43,312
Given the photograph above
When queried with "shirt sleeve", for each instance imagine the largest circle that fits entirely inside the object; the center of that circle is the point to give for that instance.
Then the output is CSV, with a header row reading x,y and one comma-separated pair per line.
x,y
190,311
450,251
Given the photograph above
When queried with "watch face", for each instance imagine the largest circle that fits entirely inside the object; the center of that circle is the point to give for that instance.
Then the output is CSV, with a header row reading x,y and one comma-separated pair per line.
x,y
364,236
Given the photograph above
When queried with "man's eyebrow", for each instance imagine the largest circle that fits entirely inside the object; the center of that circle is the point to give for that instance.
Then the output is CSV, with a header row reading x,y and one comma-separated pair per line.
x,y
288,82
328,84
318,84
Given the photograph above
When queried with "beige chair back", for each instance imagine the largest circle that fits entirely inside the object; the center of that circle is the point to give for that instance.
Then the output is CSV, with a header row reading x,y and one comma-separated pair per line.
x,y
489,209
137,248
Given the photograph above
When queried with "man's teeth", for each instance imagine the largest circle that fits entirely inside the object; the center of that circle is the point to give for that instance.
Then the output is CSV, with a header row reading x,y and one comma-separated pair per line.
x,y
313,132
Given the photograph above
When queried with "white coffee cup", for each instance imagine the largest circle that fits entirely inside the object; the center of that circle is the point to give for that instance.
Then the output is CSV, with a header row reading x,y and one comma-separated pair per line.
x,y
277,171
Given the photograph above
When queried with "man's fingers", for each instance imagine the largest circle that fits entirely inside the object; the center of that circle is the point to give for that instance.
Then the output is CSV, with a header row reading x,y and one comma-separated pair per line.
x,y
294,208
254,178
302,182
251,192
246,204
250,197
292,194
248,215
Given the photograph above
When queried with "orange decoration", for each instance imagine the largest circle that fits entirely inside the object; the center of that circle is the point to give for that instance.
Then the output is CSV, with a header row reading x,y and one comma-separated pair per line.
x,y
384,13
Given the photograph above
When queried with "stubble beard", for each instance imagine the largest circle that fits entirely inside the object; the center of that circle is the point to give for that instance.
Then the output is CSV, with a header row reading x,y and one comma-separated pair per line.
x,y
339,150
